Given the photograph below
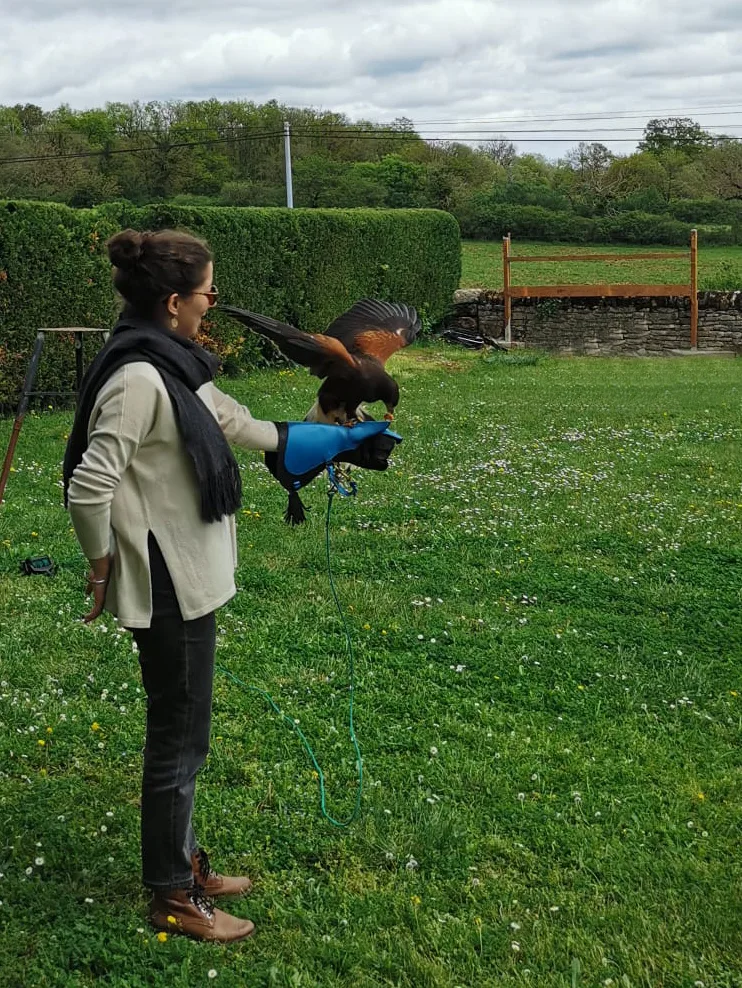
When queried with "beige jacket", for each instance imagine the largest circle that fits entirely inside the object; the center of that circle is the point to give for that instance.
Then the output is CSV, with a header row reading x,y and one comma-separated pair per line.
x,y
136,476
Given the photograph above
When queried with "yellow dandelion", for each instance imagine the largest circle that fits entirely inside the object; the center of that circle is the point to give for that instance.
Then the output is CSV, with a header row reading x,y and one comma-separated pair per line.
x,y
95,726
734,692
415,900
49,730
41,743
383,632
34,535
162,937
580,687
172,920
701,796
367,627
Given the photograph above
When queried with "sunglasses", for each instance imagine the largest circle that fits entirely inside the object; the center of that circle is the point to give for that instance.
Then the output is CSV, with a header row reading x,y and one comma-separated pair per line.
x,y
212,296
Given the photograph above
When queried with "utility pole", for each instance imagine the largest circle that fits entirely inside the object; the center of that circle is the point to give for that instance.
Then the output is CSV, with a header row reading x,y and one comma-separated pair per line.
x,y
287,153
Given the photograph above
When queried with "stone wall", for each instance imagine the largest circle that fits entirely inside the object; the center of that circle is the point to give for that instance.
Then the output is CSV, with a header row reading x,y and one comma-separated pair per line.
x,y
610,326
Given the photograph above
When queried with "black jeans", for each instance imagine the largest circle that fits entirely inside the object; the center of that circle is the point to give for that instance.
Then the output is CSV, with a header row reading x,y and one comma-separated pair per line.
x,y
177,662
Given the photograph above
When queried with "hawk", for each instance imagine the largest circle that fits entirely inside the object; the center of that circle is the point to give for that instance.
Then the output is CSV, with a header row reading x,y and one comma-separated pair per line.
x,y
350,356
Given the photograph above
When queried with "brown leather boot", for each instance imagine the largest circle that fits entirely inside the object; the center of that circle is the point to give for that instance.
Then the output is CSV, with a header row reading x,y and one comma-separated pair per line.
x,y
191,911
214,884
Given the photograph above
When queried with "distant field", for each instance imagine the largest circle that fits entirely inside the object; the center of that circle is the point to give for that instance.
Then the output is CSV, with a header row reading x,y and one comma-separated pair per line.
x,y
718,267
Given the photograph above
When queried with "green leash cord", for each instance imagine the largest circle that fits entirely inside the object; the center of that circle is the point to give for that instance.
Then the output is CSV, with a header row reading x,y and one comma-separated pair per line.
x,y
336,488
351,689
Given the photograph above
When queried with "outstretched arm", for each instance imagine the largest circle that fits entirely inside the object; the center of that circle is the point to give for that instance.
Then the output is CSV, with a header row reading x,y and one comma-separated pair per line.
x,y
240,427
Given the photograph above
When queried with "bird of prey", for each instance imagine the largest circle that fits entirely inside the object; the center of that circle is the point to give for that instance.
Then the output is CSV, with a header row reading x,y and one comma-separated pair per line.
x,y
349,356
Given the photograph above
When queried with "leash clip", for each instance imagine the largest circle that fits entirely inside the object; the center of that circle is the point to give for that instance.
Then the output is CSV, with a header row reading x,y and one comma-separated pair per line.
x,y
340,481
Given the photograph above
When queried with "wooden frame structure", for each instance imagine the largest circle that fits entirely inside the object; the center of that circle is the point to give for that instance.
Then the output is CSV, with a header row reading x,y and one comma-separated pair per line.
x,y
28,392
689,290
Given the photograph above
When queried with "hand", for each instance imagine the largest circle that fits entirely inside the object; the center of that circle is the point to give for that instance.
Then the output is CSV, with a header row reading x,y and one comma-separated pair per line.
x,y
97,584
305,448
372,454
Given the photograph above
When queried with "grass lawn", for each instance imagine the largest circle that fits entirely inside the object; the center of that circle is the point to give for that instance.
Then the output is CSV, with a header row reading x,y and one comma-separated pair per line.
x,y
544,592
718,267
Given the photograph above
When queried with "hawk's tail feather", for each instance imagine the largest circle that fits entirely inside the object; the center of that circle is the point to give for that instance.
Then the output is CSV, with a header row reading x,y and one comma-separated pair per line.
x,y
295,511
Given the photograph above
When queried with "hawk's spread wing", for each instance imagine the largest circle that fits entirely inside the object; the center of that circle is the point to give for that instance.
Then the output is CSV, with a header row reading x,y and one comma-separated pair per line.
x,y
376,329
323,355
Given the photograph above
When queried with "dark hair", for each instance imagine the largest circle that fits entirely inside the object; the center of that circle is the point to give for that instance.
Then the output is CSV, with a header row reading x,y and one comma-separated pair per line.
x,y
151,266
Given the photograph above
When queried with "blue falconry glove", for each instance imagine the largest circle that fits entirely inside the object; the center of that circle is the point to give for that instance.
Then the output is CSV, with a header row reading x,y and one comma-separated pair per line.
x,y
306,448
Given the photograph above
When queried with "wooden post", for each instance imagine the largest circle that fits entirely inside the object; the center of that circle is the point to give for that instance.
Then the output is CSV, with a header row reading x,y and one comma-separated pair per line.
x,y
20,414
28,392
506,285
694,289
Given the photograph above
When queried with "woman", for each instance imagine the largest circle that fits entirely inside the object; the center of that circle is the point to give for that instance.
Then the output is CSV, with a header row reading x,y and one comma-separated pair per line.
x,y
152,487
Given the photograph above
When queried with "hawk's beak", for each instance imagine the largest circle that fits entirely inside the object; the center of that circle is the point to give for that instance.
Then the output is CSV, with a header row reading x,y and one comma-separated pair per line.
x,y
389,416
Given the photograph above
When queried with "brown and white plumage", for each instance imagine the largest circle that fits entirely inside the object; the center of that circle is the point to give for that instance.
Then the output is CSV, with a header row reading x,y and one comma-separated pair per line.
x,y
349,356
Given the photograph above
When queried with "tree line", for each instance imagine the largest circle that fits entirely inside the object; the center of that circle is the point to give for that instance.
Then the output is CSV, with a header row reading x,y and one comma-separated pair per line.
x,y
213,152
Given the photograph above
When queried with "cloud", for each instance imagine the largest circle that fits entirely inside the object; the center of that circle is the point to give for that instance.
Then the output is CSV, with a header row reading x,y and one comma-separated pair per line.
x,y
432,60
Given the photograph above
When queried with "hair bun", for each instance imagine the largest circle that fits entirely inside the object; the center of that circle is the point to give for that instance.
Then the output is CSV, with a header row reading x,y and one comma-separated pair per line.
x,y
125,249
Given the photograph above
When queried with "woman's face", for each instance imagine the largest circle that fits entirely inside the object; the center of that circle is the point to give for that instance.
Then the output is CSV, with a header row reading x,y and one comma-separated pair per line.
x,y
189,310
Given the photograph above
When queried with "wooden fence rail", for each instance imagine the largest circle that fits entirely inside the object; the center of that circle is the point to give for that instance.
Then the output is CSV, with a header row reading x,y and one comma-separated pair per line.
x,y
688,290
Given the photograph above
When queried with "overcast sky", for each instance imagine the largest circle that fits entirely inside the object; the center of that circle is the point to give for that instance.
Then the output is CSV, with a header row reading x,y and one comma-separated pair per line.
x,y
447,64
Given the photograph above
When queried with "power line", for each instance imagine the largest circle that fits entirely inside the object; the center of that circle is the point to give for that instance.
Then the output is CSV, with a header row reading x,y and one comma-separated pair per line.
x,y
703,110
337,130
144,150
325,130
347,135
473,134
528,140
424,134
332,131
480,130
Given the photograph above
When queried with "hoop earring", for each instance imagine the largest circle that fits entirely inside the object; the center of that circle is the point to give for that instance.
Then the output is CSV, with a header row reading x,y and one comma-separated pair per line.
x,y
174,323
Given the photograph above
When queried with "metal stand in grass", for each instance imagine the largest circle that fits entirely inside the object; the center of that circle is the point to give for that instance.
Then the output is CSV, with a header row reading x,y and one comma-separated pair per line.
x,y
28,392
689,290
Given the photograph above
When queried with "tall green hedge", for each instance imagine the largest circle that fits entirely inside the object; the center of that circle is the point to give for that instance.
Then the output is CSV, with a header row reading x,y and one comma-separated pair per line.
x,y
303,265
52,273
